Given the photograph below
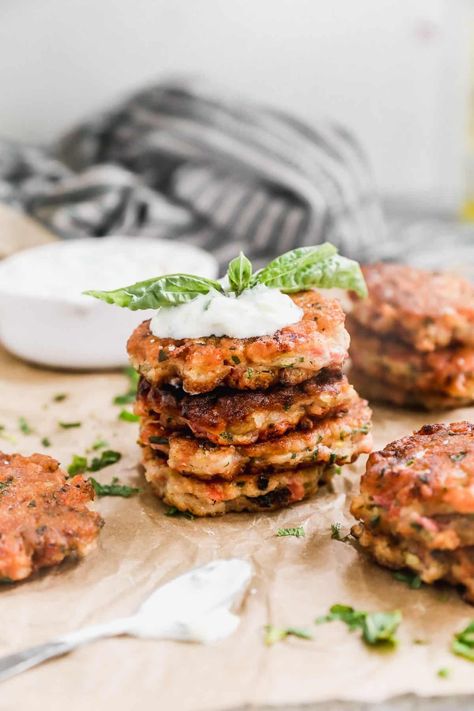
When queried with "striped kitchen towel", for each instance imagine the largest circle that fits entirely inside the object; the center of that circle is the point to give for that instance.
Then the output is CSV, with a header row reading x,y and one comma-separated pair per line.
x,y
178,162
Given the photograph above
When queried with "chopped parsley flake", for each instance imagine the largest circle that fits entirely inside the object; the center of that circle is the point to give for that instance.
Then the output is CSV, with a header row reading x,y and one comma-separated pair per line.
x,y
99,444
336,532
127,416
443,673
78,465
24,426
107,458
173,511
69,425
59,397
131,394
277,634
297,532
411,579
113,489
463,643
236,359
377,627
46,442
154,439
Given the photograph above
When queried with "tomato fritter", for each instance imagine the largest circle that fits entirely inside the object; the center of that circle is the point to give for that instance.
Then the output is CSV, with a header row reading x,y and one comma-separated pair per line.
x,y
43,515
376,390
416,503
339,439
447,371
290,356
427,310
245,417
246,493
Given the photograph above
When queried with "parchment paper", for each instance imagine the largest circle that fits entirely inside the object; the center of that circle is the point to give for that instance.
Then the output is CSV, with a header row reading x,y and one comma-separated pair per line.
x,y
139,548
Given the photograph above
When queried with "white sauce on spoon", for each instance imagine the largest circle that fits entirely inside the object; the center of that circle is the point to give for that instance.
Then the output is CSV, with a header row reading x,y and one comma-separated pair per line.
x,y
256,312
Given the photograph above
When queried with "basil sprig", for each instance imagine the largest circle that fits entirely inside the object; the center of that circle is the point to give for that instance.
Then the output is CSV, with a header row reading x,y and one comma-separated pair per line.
x,y
239,273
298,270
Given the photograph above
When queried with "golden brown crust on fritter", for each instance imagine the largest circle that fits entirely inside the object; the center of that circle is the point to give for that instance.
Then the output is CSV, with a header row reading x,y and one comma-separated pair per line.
x,y
290,356
339,439
427,310
247,493
454,566
448,371
377,391
245,417
43,515
421,487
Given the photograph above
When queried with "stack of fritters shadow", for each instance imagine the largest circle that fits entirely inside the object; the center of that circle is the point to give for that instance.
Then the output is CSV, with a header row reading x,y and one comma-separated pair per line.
x,y
412,339
250,424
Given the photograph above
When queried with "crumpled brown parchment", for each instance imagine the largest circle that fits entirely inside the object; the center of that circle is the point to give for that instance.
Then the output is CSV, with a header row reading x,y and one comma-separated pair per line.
x,y
139,548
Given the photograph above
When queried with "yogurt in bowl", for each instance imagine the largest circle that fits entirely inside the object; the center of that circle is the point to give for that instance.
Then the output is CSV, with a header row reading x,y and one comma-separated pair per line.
x,y
45,318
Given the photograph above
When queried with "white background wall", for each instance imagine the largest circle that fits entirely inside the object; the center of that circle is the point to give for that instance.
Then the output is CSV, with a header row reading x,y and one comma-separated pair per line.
x,y
395,71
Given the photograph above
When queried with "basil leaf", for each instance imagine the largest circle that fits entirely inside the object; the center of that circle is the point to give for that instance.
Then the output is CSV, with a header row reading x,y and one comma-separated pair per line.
x,y
313,270
284,271
239,273
163,291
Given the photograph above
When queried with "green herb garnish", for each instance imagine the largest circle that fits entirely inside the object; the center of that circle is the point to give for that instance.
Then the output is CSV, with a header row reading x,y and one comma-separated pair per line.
x,y
131,394
99,444
239,273
107,458
411,579
59,397
463,642
69,425
443,673
297,532
277,634
336,532
173,511
377,627
45,442
302,268
154,439
113,489
24,426
127,416
78,465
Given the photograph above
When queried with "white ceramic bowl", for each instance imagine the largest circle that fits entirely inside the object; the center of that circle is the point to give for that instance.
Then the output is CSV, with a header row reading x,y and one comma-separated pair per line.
x,y
44,317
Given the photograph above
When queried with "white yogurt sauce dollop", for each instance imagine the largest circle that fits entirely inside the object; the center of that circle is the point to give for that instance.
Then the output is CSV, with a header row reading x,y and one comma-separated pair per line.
x,y
256,312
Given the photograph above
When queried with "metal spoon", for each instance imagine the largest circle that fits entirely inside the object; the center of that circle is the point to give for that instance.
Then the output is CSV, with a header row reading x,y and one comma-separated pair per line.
x,y
195,607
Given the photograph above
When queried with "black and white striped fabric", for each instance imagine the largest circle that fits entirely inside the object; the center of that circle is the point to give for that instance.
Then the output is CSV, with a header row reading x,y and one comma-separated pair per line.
x,y
178,162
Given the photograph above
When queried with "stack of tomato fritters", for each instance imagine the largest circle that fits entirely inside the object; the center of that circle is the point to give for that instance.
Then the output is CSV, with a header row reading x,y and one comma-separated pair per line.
x,y
252,424
412,339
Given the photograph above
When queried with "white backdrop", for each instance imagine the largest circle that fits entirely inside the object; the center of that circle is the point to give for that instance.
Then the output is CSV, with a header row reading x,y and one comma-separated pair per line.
x,y
395,71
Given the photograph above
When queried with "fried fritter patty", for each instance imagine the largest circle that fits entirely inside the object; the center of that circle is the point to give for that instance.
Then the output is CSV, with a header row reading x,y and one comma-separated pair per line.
x,y
447,371
421,487
375,390
247,493
245,417
338,440
454,566
43,515
427,310
290,356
